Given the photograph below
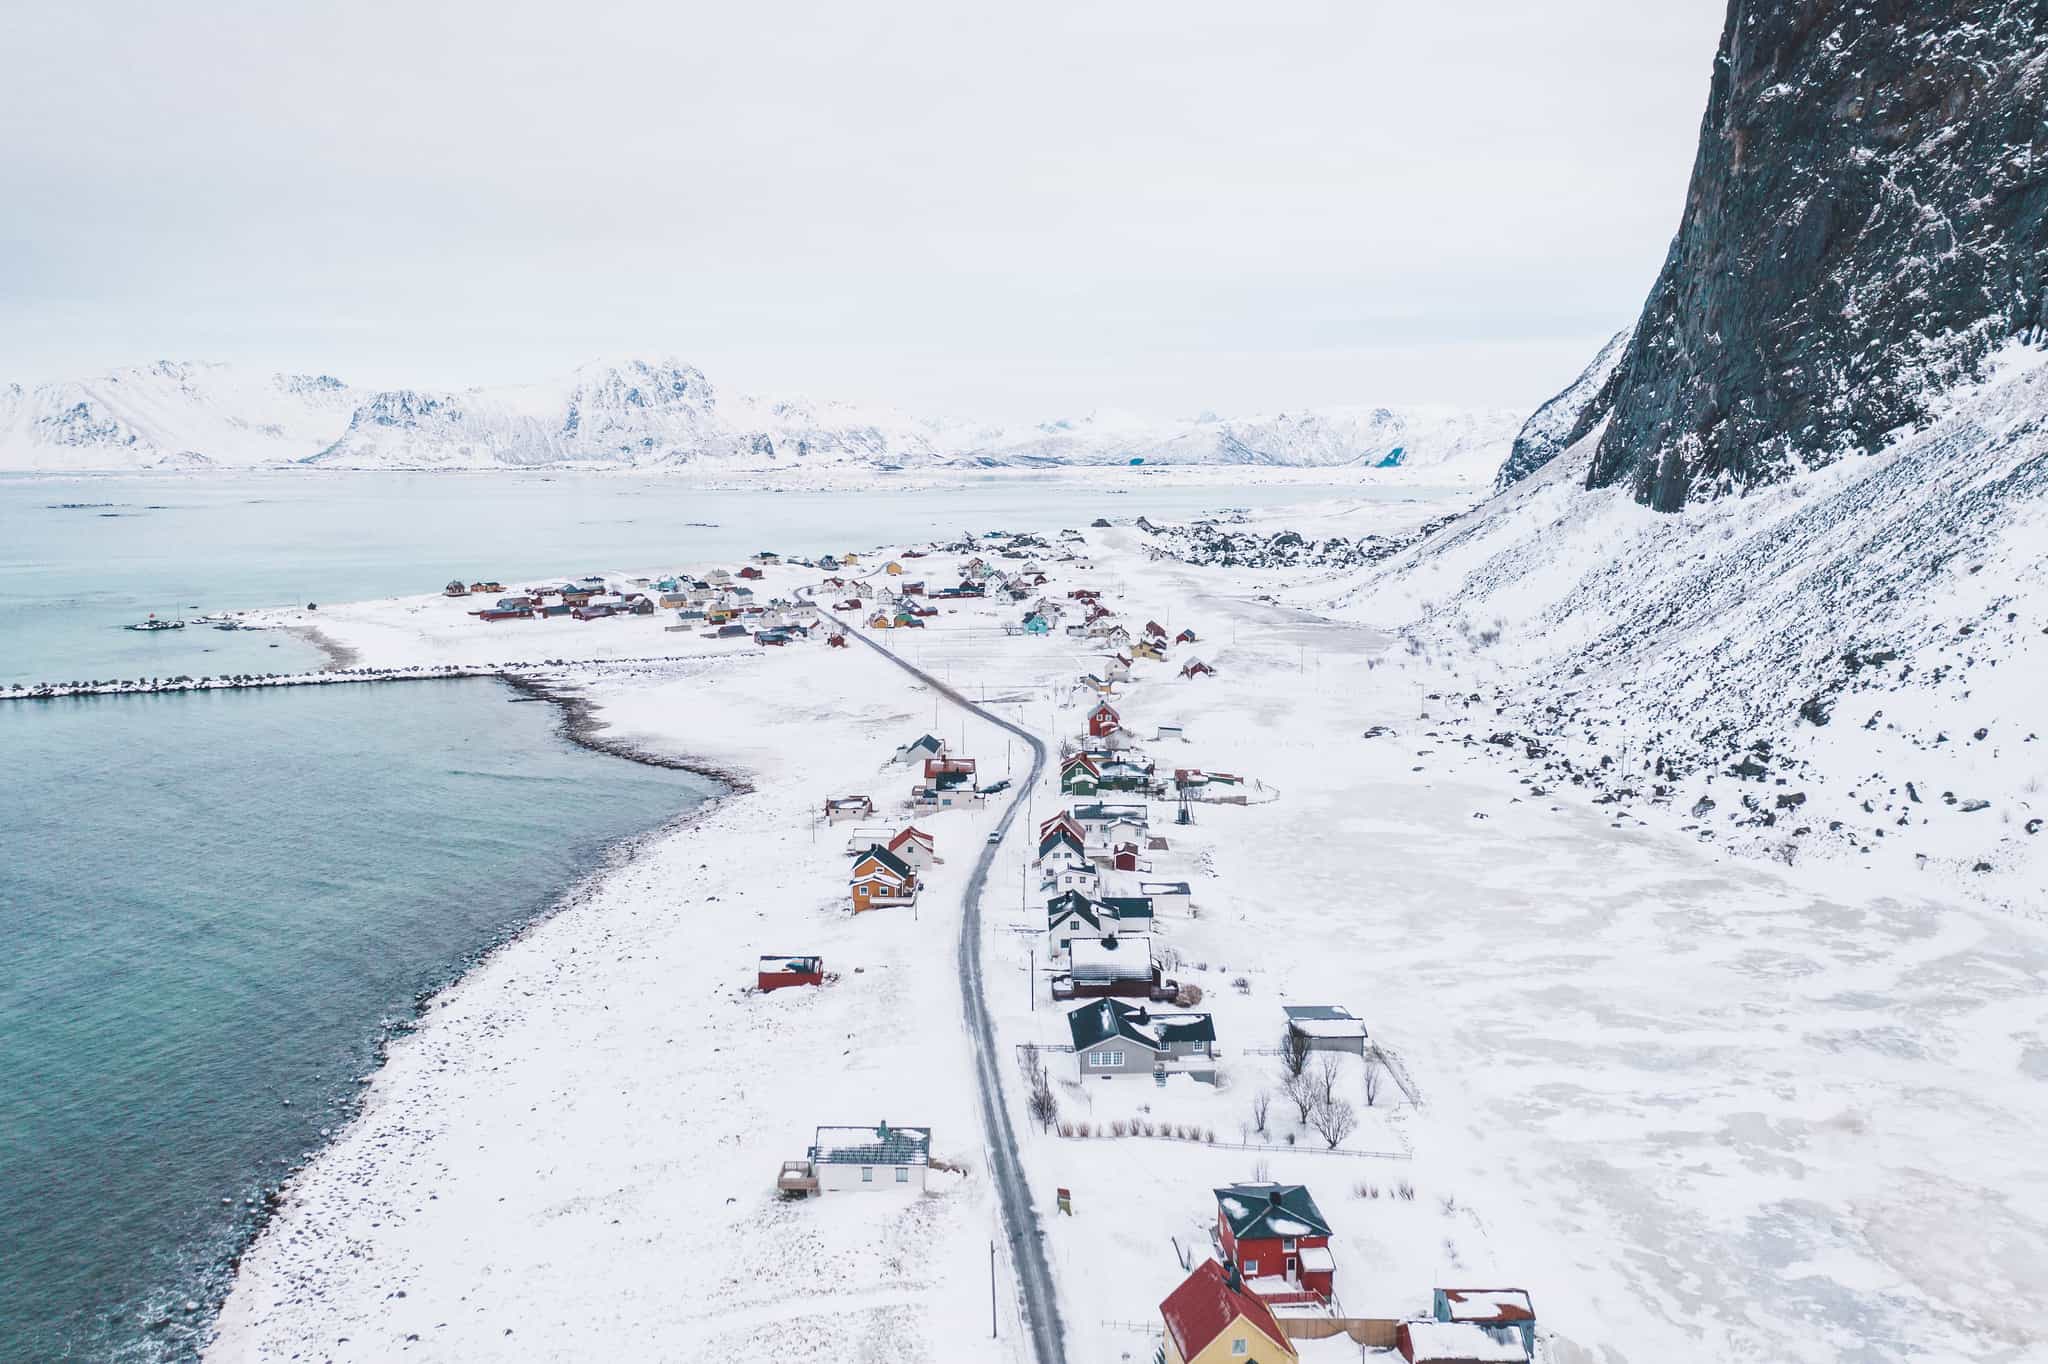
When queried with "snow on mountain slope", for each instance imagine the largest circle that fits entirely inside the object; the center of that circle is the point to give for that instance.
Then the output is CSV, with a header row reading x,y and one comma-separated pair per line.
x,y
170,415
654,414
1850,660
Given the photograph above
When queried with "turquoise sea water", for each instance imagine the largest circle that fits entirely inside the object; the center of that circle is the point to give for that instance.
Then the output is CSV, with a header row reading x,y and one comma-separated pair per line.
x,y
214,903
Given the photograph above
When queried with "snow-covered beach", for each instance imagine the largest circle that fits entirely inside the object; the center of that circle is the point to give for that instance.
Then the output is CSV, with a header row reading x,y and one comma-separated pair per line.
x,y
1699,1106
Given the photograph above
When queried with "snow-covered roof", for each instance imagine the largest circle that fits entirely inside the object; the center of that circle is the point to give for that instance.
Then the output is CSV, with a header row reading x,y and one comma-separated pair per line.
x,y
789,964
1488,1304
1318,1259
882,1144
1323,1020
1126,957
1457,1342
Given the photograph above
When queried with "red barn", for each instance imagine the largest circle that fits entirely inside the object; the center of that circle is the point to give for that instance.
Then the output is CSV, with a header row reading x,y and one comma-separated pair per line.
x,y
1102,720
779,972
1277,1237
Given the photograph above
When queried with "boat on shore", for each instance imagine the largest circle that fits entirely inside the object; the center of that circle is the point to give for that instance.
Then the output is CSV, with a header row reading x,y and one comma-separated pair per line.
x,y
154,624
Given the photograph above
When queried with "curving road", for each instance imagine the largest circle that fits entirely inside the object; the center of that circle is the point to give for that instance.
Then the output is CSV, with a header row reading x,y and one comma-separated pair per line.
x,y
1020,1220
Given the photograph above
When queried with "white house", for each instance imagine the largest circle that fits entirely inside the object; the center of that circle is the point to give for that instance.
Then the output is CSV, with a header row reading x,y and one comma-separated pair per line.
x,y
1060,874
1167,896
867,1159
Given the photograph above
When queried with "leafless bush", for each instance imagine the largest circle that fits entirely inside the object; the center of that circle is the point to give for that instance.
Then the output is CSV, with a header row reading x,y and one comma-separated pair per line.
x,y
1405,1191
1448,1203
1066,1129
1188,996
1119,1128
1300,1091
1043,1103
1242,985
1334,1120
1374,1072
1322,1078
1209,1135
1293,1051
1261,1101
1366,1189
1084,1129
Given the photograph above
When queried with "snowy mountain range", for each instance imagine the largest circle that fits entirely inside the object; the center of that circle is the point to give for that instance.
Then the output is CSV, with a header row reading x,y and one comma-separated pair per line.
x,y
659,414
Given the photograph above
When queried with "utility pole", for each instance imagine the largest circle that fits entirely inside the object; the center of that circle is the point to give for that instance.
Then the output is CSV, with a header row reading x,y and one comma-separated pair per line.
x,y
991,1290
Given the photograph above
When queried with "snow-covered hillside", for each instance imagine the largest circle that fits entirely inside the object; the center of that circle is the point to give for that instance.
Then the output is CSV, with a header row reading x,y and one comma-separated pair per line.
x,y
1852,658
170,415
664,414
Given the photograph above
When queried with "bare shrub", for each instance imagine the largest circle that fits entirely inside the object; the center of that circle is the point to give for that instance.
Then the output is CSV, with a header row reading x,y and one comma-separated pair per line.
x,y
1374,1073
1084,1129
1119,1128
1293,1051
1188,996
1209,1135
1334,1120
1322,1078
1261,1101
1066,1129
1043,1103
1448,1203
1405,1191
1366,1189
1300,1092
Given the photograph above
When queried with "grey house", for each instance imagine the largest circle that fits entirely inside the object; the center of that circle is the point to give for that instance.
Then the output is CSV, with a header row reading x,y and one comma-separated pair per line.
x,y
1326,1027
1115,1038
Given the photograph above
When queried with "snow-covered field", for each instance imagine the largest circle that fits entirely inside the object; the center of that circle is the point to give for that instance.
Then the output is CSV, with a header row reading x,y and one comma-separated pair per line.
x,y
1700,1106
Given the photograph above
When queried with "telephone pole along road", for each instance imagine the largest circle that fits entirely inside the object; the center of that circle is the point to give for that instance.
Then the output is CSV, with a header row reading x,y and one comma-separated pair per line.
x,y
1020,1221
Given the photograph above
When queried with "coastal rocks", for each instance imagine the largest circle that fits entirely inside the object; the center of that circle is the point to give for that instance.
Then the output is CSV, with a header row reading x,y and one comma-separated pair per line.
x,y
1867,223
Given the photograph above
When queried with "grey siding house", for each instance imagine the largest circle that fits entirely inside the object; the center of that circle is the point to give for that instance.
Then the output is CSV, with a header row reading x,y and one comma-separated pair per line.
x,y
1115,1038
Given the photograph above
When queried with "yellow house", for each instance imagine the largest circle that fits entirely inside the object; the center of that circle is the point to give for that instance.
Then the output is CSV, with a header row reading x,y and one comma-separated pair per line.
x,y
1210,1322
892,567
1145,648
881,621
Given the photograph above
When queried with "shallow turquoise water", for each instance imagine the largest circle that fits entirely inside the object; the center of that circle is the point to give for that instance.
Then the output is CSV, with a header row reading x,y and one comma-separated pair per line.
x,y
212,904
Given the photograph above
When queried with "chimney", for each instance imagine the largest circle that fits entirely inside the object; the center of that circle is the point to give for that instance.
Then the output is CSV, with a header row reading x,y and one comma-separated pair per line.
x,y
1274,1197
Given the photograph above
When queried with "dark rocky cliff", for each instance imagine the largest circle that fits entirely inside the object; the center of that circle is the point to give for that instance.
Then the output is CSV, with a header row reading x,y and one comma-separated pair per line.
x,y
1866,223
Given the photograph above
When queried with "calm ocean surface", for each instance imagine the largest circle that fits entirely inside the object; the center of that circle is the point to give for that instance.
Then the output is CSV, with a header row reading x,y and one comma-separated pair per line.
x,y
214,903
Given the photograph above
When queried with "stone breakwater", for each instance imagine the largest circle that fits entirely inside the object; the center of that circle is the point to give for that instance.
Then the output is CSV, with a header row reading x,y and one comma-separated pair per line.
x,y
45,691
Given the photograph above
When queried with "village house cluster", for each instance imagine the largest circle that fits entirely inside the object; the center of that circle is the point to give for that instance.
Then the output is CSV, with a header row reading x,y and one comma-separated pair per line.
x,y
721,604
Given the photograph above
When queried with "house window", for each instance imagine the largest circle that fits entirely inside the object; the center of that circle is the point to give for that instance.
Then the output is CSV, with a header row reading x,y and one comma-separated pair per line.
x,y
902,1174
1109,1060
1288,1245
867,1174
1251,1269
1240,1346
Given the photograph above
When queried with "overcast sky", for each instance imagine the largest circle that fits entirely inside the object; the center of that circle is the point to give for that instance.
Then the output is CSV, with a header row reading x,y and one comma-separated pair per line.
x,y
1012,210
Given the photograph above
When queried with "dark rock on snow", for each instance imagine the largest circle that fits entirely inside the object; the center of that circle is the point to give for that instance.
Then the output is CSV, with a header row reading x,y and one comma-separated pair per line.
x,y
1867,222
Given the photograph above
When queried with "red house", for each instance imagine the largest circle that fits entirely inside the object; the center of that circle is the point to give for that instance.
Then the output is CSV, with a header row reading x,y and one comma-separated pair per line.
x,y
1102,720
779,972
752,573
1276,1237
836,641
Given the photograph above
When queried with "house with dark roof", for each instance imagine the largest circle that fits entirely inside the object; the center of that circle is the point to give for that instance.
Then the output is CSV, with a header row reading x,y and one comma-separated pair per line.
x,y
1115,1038
1079,776
1325,1027
1276,1238
1210,1320
881,880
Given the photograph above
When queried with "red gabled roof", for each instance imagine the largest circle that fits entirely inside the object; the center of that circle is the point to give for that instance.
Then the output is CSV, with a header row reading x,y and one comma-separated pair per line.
x,y
1082,759
910,833
1205,1304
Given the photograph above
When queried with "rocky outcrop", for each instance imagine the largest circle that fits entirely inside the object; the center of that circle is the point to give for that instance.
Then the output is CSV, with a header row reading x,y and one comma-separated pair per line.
x,y
1567,418
1866,224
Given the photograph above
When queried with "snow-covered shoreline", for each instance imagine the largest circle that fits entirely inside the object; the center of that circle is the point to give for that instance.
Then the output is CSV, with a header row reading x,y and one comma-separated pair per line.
x,y
1628,1043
